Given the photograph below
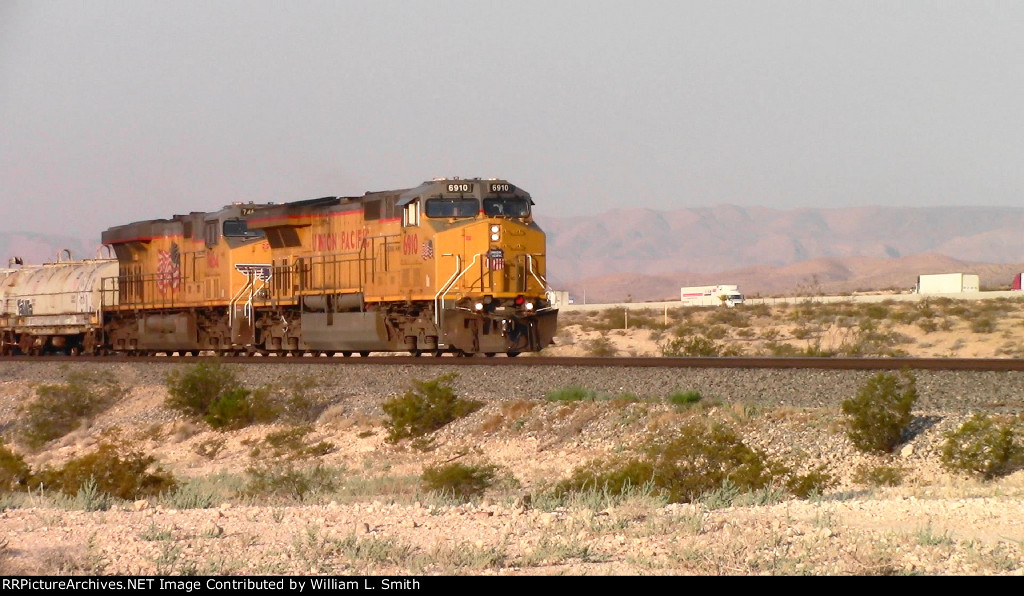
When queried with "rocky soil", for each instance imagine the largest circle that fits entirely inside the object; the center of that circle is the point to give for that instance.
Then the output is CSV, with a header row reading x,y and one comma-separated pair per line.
x,y
375,519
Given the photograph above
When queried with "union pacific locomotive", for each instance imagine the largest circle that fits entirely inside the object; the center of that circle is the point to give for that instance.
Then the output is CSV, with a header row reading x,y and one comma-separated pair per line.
x,y
450,266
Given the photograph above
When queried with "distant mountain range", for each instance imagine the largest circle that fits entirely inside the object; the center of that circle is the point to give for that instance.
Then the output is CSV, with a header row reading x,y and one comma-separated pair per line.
x,y
644,254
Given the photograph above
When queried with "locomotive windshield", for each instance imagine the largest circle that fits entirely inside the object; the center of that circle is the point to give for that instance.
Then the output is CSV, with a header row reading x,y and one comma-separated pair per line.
x,y
452,207
237,228
508,206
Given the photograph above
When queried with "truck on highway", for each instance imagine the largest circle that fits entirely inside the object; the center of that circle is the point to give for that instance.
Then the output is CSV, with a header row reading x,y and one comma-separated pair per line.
x,y
947,283
720,295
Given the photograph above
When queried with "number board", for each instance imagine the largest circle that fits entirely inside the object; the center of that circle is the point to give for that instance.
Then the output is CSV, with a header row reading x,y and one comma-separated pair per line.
x,y
460,187
248,210
501,187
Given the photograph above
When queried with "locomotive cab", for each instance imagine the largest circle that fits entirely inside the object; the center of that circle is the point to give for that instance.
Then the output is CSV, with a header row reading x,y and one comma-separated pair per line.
x,y
488,261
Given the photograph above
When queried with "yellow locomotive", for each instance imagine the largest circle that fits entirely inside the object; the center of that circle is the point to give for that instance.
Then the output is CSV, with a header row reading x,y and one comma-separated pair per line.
x,y
185,284
452,265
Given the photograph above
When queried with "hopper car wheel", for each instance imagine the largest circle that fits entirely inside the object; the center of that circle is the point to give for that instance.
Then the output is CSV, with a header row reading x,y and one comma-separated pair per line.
x,y
364,354
512,354
415,353
489,354
438,353
346,354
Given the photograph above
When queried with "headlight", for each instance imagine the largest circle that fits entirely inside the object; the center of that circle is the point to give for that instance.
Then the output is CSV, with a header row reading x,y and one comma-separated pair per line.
x,y
529,306
495,232
479,306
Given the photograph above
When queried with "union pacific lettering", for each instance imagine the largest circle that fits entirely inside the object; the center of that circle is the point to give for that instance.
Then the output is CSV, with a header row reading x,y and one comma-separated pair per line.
x,y
351,240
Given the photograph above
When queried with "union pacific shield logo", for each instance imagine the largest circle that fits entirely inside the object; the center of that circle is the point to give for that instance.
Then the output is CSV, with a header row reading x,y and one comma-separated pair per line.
x,y
258,271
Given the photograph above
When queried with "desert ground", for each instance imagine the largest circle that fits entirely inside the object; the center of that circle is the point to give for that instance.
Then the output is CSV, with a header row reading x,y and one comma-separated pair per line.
x,y
339,498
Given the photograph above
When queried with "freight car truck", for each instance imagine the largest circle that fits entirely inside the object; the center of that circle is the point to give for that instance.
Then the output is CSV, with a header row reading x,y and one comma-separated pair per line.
x,y
720,295
947,283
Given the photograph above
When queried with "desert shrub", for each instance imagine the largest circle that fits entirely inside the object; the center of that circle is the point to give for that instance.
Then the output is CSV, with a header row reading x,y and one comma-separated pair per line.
x,y
871,341
571,393
684,398
877,417
983,325
294,398
60,409
192,494
882,475
716,332
14,472
689,346
805,333
928,325
428,406
700,459
461,481
285,481
111,469
600,346
907,316
731,317
982,447
211,391
815,481
612,318
877,311
290,443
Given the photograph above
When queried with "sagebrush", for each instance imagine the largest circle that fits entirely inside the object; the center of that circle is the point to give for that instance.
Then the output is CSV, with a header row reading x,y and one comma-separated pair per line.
x,y
212,392
880,413
983,447
61,408
428,406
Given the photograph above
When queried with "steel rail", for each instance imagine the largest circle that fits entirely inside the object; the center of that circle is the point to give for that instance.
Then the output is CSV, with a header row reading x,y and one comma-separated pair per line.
x,y
965,364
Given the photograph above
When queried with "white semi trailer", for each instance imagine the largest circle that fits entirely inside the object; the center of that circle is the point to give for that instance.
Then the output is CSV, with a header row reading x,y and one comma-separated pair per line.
x,y
947,283
720,295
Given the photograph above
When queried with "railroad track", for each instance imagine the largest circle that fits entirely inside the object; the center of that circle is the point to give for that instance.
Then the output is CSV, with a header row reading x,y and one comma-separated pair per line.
x,y
965,364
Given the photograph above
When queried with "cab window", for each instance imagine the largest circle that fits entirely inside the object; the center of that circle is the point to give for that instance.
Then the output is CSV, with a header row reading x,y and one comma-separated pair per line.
x,y
508,207
452,207
237,228
411,214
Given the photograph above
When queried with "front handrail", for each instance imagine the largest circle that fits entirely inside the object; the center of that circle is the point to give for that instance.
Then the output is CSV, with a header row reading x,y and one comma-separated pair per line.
x,y
529,267
439,296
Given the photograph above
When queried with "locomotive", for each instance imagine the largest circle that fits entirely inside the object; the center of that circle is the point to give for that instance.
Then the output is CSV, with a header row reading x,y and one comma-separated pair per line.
x,y
450,266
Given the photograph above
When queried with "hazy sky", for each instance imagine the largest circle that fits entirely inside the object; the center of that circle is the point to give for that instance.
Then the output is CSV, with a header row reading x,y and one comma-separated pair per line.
x,y
112,112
